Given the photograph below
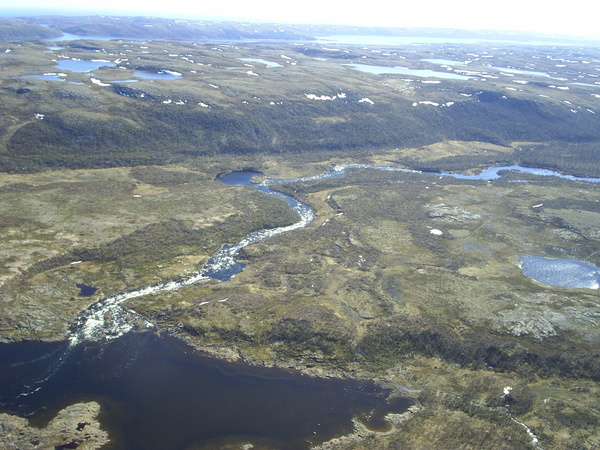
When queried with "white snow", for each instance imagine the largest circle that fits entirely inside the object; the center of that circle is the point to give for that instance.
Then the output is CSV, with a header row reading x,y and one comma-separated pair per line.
x,y
366,100
320,97
98,82
436,232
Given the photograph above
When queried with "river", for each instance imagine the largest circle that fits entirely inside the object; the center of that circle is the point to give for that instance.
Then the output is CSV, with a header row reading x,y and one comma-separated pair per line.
x,y
162,394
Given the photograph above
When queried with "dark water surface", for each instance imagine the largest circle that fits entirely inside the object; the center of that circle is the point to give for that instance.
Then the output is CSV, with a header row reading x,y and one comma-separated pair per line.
x,y
158,393
85,290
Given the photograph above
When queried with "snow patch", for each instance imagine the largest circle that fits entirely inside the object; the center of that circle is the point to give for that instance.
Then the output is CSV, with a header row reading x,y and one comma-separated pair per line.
x,y
426,102
320,97
98,82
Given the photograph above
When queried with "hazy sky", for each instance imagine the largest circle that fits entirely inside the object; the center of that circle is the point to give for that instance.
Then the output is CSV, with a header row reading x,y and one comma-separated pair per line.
x,y
519,15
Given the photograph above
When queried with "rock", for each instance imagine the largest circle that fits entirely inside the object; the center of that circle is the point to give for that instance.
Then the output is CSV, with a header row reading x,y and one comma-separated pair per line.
x,y
444,213
73,427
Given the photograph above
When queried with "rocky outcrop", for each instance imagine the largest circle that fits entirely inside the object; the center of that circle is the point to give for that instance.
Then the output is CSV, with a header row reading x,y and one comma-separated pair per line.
x,y
74,427
449,214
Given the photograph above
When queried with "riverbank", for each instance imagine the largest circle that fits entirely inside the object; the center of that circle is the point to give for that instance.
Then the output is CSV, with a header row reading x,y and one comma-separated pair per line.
x,y
368,291
76,426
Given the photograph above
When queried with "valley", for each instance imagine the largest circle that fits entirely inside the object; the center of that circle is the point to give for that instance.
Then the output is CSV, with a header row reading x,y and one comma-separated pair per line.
x,y
411,278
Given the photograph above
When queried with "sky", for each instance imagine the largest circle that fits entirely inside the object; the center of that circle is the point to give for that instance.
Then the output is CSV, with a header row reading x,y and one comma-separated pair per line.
x,y
508,15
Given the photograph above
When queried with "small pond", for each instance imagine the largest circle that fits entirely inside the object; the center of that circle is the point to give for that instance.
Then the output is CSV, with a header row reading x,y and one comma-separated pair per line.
x,y
77,37
161,75
85,290
530,73
445,62
569,273
261,61
80,65
46,76
380,70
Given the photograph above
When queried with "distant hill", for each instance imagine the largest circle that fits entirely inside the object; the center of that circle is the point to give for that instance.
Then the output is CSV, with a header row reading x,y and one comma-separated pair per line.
x,y
269,96
158,28
19,29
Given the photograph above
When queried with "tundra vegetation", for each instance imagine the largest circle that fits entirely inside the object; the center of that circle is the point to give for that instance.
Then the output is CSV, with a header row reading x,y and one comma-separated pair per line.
x,y
411,279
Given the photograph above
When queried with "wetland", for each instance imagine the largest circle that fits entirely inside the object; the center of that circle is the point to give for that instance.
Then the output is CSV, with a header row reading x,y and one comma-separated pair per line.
x,y
409,208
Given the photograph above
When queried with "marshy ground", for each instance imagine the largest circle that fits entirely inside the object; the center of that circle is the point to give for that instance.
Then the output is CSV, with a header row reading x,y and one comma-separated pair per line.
x,y
367,289
410,279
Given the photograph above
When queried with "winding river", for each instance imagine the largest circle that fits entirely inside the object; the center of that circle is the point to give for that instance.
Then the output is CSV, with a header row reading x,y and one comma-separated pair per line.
x,y
91,324
55,365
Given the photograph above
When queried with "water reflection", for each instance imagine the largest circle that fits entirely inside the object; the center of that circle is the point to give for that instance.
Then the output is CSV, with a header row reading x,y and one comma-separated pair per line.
x,y
380,70
561,272
46,76
157,393
261,61
160,75
80,65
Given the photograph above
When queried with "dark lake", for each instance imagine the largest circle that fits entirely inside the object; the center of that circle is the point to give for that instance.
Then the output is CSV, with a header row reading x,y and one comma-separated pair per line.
x,y
158,393
85,290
